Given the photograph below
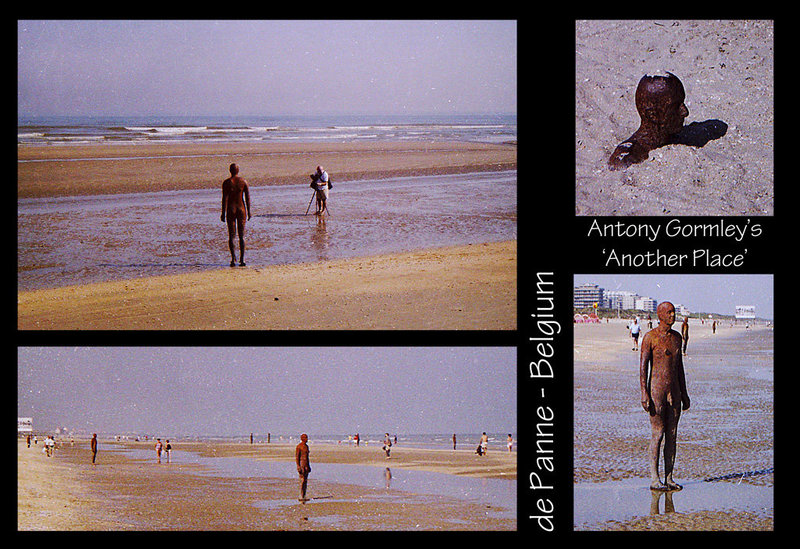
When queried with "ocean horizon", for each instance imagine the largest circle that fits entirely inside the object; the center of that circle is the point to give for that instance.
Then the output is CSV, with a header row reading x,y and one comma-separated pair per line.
x,y
104,130
431,441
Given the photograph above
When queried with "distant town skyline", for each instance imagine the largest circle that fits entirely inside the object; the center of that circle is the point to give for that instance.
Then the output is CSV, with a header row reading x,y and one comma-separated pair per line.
x,y
699,293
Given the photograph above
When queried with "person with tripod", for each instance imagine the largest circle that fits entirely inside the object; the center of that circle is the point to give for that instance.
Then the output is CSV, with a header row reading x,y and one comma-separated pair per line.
x,y
321,183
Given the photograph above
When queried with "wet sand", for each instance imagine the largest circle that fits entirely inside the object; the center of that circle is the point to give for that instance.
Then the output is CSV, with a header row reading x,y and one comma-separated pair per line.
x,y
462,287
63,170
66,492
727,71
69,241
727,430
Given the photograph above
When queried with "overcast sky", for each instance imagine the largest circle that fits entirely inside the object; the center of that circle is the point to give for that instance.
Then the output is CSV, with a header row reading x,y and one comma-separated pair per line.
x,y
700,293
266,67
233,391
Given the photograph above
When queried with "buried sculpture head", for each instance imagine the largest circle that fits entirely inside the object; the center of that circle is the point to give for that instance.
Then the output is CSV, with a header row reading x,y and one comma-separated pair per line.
x,y
659,100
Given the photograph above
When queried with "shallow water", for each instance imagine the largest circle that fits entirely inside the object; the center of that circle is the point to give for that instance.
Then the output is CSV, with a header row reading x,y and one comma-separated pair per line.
x,y
623,500
77,240
392,484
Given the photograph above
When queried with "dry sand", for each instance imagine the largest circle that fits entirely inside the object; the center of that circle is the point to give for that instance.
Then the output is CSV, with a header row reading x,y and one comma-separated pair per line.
x,y
113,169
728,428
727,71
463,287
66,492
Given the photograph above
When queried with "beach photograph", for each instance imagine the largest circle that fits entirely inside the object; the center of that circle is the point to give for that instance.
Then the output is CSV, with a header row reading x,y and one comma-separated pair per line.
x,y
674,117
673,402
368,187
267,439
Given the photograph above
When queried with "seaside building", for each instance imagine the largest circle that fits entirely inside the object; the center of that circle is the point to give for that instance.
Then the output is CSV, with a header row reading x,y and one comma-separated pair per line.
x,y
24,426
586,295
646,304
621,299
746,312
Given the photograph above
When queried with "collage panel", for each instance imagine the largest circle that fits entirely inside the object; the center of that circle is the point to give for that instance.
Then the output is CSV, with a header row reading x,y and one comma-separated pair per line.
x,y
280,206
674,118
268,438
674,402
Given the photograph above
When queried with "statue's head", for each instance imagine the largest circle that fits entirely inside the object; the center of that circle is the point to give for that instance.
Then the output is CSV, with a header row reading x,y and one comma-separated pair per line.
x,y
666,313
659,100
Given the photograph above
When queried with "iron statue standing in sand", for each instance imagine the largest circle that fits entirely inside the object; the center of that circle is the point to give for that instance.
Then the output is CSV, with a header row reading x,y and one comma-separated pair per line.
x,y
301,452
663,385
236,206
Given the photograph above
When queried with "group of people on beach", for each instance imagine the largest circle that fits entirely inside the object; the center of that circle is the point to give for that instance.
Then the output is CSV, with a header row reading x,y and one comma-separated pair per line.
x,y
483,445
236,205
48,446
162,449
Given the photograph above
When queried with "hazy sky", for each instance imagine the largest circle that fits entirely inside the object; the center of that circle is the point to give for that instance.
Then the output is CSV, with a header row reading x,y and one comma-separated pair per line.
x,y
233,391
700,293
266,67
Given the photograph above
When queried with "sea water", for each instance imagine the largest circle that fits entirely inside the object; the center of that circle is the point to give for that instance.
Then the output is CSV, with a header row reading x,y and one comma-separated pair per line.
x,y
82,130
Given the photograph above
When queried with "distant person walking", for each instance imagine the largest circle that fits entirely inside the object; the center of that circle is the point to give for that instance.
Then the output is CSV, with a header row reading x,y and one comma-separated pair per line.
x,y
685,333
169,451
510,442
635,329
236,206
159,449
387,445
484,443
94,448
454,441
301,452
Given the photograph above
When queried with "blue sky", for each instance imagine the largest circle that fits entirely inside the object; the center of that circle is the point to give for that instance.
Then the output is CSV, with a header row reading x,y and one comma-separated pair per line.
x,y
266,67
718,293
233,391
